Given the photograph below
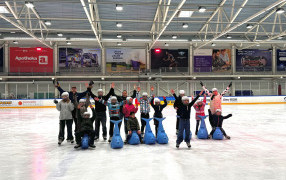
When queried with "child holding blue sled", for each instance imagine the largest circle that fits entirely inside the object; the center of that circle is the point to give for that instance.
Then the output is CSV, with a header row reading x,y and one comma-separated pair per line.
x,y
133,125
184,110
158,108
217,121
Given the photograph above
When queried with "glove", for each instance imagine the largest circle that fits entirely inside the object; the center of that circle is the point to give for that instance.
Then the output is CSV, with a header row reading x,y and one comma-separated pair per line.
x,y
230,84
91,83
201,83
56,101
164,97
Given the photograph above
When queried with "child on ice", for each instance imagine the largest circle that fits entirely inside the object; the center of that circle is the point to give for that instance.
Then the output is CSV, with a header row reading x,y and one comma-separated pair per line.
x,y
65,106
200,111
133,125
184,112
217,121
85,126
127,109
158,108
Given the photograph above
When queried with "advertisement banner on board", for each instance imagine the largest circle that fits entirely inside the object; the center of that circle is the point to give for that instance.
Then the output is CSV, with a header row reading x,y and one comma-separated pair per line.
x,y
125,60
252,60
170,59
30,60
281,60
212,60
1,59
75,59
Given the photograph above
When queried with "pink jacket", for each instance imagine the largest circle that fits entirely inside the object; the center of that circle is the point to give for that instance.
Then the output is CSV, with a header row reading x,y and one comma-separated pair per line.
x,y
200,110
128,108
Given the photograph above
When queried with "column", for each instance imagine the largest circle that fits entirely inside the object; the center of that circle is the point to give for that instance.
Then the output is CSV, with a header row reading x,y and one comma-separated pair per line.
x,y
274,62
6,58
103,61
191,59
56,57
148,60
233,59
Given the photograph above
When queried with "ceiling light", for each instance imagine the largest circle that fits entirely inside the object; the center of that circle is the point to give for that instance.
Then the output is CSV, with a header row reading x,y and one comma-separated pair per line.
x,y
257,44
194,77
119,7
185,14
228,37
4,10
15,42
29,4
174,37
280,10
202,9
48,23
119,25
119,44
280,37
12,32
60,34
238,77
281,77
249,26
185,25
213,44
102,78
68,43
119,36
166,44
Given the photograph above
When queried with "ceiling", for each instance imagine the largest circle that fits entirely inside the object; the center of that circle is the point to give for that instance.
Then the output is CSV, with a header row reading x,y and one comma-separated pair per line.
x,y
148,24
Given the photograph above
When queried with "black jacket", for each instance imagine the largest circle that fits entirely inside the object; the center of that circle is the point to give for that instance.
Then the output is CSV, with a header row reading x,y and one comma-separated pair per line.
x,y
85,124
122,98
178,101
132,124
99,107
184,111
158,108
73,97
218,120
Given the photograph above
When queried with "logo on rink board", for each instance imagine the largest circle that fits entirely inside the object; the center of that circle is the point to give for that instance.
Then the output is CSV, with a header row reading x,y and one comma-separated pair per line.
x,y
43,59
229,99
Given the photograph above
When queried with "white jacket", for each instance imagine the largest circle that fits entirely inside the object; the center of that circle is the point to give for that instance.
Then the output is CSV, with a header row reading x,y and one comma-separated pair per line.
x,y
65,109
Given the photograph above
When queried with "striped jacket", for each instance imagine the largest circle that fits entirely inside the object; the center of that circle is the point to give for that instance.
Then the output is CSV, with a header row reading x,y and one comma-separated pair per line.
x,y
144,104
114,109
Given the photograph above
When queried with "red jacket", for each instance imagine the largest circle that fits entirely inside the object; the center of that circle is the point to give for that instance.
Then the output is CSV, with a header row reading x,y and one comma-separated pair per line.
x,y
128,108
200,110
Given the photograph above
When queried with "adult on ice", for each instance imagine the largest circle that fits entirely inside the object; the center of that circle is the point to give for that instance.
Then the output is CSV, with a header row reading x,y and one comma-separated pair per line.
x,y
101,110
215,100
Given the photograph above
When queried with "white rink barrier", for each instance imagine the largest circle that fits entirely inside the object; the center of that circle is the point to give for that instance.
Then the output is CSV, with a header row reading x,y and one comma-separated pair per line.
x,y
228,100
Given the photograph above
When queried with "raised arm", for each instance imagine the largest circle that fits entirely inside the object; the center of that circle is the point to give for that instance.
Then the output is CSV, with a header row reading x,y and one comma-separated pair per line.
x,y
165,102
60,89
152,102
228,116
193,101
205,89
227,89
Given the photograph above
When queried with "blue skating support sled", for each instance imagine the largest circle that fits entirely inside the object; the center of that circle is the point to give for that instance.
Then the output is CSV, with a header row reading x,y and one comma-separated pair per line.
x,y
134,139
85,142
162,137
218,134
203,132
116,142
149,137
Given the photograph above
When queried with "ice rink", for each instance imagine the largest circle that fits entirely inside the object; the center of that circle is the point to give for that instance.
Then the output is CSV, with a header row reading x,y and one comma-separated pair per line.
x,y
257,149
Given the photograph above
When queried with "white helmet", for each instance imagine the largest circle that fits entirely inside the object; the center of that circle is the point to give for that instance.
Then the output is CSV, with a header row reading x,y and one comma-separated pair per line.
x,y
185,98
218,110
182,92
144,94
128,98
99,90
65,94
86,113
82,101
113,98
157,100
214,89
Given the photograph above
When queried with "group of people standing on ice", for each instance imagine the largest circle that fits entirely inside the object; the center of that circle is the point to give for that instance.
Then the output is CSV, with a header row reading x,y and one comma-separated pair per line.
x,y
73,108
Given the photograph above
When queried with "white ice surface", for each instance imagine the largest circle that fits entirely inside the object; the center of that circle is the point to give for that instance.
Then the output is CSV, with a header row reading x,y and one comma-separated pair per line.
x,y
257,149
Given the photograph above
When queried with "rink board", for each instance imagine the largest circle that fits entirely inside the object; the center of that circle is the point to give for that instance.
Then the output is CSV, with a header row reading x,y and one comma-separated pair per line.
x,y
230,100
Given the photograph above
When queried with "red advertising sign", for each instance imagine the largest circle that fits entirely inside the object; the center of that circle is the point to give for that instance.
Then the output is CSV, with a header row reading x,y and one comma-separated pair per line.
x,y
31,59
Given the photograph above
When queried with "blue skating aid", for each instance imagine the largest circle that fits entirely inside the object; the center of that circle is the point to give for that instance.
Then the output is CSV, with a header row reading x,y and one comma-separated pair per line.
x,y
162,137
85,141
134,139
184,134
116,142
149,137
203,132
218,134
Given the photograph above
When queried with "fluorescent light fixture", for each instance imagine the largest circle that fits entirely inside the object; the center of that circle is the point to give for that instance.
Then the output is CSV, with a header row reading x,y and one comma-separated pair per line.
x,y
185,25
119,36
238,77
228,37
29,4
60,34
119,7
280,10
213,44
15,42
48,23
174,36
102,78
166,44
4,10
119,44
257,44
202,9
194,77
12,32
68,43
185,14
0,79
280,37
281,77
249,26
119,25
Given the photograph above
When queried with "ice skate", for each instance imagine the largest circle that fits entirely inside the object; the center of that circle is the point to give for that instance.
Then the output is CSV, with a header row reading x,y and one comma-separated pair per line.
x,y
189,145
104,138
76,146
72,141
177,146
96,138
60,141
92,146
227,137
110,138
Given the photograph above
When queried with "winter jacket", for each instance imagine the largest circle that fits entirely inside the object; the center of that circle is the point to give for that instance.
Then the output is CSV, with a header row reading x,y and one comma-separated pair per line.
x,y
114,109
85,124
158,108
65,109
84,107
123,98
144,104
200,110
133,124
74,97
128,108
184,111
218,120
215,101
99,107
